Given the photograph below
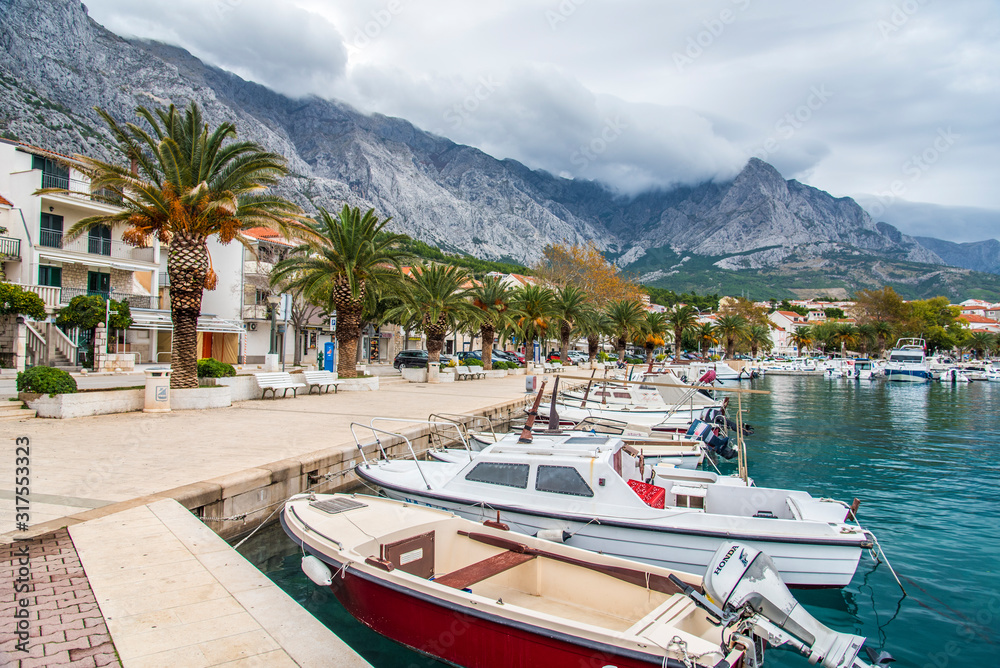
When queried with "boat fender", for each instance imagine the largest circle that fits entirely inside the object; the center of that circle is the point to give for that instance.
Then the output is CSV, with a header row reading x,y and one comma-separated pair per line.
x,y
317,571
554,535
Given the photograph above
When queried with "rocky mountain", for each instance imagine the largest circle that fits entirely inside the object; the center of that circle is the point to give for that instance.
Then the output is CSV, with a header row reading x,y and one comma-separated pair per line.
x,y
975,255
56,64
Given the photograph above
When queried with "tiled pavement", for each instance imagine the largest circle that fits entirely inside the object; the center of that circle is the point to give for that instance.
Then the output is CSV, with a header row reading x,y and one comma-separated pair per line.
x,y
65,626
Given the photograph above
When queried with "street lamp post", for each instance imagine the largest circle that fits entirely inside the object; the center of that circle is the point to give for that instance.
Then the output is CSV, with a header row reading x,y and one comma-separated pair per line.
x,y
273,300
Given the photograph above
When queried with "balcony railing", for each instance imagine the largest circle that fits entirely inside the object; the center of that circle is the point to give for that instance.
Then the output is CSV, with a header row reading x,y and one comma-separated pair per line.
x,y
256,312
49,294
134,301
10,248
79,188
94,246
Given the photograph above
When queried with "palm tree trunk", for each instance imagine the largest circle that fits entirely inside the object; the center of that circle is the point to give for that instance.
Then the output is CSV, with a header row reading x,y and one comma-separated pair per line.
x,y
488,334
348,333
593,345
564,331
621,349
677,344
187,267
529,344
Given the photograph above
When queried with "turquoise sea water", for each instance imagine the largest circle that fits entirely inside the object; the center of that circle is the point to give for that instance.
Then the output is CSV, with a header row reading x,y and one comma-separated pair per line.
x,y
923,460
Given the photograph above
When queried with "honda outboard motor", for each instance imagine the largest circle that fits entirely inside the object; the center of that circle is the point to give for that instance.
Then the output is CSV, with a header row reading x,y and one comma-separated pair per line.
x,y
744,583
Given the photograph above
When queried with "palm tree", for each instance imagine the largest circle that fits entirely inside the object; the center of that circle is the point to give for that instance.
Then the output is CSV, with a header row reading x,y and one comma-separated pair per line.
x,y
759,338
802,338
705,334
185,184
533,309
594,324
731,328
654,328
845,334
867,338
569,305
883,330
625,317
492,298
350,260
681,318
980,342
437,300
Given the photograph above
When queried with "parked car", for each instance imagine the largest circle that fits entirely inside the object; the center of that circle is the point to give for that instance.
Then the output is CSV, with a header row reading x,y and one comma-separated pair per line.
x,y
552,356
512,355
577,357
478,354
416,359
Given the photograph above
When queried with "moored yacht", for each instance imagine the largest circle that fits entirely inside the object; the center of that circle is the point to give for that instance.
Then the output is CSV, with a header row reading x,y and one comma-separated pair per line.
x,y
595,493
908,362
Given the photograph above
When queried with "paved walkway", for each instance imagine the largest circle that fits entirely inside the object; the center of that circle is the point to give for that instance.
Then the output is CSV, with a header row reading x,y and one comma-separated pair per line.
x,y
175,594
62,622
87,463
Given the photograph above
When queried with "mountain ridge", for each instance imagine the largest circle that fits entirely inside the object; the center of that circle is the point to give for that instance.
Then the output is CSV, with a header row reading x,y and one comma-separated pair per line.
x,y
451,195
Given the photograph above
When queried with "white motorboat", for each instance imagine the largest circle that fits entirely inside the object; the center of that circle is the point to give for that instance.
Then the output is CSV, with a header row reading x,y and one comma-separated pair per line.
x,y
864,369
595,493
908,362
955,375
477,595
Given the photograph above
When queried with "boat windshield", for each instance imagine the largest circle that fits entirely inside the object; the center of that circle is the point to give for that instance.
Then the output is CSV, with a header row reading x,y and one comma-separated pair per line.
x,y
913,359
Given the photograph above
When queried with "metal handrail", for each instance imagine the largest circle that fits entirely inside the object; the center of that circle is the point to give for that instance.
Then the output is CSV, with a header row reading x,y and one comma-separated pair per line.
x,y
164,352
458,429
463,423
376,431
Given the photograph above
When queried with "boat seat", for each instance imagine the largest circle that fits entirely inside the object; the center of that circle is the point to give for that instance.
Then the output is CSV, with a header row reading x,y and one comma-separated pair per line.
x,y
481,570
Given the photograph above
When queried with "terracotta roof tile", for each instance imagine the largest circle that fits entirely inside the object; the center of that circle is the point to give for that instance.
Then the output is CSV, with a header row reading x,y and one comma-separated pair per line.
x,y
4,201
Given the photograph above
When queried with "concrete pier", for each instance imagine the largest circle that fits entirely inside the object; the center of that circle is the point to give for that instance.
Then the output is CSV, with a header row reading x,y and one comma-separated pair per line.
x,y
132,489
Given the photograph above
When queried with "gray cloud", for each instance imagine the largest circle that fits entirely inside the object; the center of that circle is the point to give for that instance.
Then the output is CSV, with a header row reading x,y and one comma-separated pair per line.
x,y
640,93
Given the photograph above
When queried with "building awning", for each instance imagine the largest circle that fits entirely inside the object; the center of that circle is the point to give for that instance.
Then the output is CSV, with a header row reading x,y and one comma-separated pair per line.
x,y
160,320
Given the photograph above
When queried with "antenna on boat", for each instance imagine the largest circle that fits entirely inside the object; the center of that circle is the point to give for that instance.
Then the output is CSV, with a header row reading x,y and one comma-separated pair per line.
x,y
532,414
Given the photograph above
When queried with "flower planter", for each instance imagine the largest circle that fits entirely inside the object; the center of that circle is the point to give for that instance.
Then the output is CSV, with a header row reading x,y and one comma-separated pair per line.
x,y
414,375
85,404
358,384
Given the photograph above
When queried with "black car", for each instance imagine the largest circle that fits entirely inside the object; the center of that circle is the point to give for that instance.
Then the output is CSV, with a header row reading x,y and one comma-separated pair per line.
x,y
416,359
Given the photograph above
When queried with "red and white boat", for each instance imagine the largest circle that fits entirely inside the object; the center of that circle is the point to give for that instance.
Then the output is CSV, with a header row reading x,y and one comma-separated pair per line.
x,y
479,596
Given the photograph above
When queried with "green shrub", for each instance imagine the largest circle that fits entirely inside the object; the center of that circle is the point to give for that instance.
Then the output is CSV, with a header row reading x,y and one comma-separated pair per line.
x,y
15,300
46,380
213,368
472,361
505,365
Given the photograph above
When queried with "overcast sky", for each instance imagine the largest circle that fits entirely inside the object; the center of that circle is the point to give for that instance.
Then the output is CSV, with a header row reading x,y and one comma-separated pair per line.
x,y
896,99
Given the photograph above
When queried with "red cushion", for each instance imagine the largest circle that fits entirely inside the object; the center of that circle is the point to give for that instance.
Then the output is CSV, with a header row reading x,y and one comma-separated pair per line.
x,y
652,495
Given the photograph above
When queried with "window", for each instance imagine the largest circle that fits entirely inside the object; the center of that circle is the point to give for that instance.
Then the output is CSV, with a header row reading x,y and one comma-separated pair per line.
x,y
562,480
99,240
497,473
54,175
50,231
51,276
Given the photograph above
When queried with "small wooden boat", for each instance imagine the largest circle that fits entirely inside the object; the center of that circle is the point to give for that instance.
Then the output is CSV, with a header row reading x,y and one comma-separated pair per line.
x,y
478,596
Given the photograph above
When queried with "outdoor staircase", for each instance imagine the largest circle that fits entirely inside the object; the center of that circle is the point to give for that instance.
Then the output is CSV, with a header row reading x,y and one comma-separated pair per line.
x,y
14,410
390,380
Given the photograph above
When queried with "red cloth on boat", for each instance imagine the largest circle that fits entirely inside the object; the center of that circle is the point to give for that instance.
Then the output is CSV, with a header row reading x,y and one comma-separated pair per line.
x,y
653,496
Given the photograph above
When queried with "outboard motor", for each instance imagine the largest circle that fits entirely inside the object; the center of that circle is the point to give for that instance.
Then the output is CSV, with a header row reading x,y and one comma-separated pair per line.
x,y
743,583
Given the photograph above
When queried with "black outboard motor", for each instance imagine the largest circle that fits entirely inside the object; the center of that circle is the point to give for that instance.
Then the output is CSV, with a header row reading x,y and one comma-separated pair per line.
x,y
713,440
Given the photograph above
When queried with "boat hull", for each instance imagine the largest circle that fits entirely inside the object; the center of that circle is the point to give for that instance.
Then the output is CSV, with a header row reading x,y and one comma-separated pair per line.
x,y
471,639
908,375
802,564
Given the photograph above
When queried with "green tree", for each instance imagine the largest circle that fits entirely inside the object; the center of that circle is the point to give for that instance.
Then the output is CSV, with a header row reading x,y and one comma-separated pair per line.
x,y
980,342
759,338
593,325
731,329
346,263
625,318
184,184
436,298
680,318
846,335
15,300
568,306
533,309
492,298
802,337
883,331
706,337
655,327
867,338
89,311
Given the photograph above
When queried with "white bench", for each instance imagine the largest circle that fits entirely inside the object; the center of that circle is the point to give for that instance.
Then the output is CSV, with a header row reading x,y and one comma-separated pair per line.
x,y
553,368
320,380
279,380
462,372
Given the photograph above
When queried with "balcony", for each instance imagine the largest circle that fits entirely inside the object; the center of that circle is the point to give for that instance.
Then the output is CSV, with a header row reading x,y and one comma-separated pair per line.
x,y
256,312
133,301
10,249
79,188
94,246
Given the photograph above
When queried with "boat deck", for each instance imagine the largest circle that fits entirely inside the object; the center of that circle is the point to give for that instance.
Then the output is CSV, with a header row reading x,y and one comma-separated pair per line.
x,y
550,606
